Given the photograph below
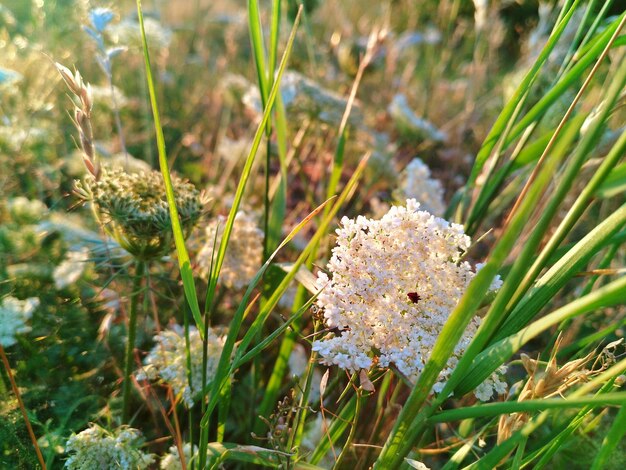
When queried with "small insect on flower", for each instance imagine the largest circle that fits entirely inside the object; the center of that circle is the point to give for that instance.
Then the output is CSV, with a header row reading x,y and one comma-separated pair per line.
x,y
414,297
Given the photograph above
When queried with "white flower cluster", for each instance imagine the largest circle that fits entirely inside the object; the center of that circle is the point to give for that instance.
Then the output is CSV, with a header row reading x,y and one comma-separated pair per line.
x,y
168,360
417,184
394,283
127,33
493,383
96,448
26,211
171,460
14,314
244,254
71,268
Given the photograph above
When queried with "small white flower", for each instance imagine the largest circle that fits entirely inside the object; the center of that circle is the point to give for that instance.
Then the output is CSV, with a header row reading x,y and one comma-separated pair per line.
x,y
24,210
14,314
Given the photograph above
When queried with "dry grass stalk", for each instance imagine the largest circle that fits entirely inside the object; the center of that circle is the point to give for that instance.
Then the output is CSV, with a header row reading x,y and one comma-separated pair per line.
x,y
82,117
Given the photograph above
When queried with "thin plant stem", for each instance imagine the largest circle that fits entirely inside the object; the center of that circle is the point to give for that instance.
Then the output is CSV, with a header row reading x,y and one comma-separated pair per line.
x,y
130,342
177,434
20,403
348,443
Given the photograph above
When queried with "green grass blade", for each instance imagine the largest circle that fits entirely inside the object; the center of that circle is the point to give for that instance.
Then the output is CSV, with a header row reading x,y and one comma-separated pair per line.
x,y
499,353
214,275
274,34
507,407
585,149
501,124
258,49
559,274
224,370
611,440
606,39
615,183
497,312
179,238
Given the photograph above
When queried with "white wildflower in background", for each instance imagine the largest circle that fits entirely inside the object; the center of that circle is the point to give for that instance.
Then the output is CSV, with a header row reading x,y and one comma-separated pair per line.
x,y
108,96
244,254
26,211
418,184
481,11
298,360
127,33
14,314
72,267
496,283
393,284
233,150
171,460
494,383
168,360
95,448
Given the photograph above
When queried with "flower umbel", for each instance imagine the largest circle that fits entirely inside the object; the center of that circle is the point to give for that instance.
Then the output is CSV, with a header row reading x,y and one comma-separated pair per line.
x,y
171,460
168,360
133,208
394,283
418,184
243,256
95,448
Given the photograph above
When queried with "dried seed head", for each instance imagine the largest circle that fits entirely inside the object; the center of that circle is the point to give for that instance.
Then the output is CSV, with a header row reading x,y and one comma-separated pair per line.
x,y
82,116
546,380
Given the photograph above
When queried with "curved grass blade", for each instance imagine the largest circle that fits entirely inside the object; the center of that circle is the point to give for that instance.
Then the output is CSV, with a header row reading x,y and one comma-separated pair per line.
x,y
179,238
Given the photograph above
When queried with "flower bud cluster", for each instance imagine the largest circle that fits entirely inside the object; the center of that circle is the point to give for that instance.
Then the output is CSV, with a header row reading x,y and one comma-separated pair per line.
x,y
133,208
